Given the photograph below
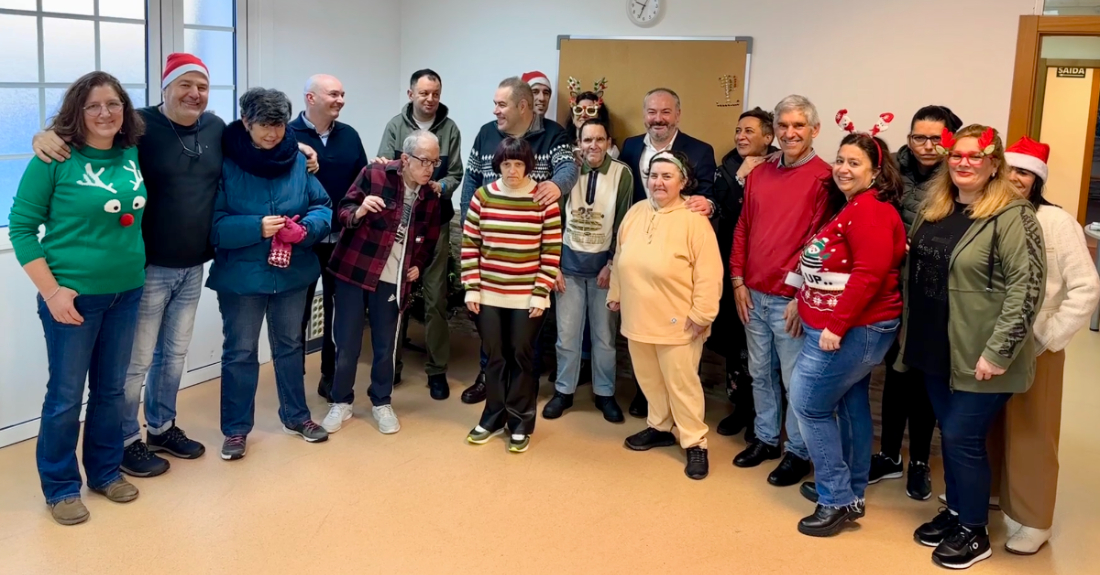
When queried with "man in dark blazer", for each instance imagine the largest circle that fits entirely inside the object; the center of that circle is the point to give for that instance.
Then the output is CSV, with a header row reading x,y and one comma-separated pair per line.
x,y
662,123
661,107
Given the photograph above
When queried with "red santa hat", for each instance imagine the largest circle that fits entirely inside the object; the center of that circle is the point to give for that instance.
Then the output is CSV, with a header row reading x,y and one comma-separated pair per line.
x,y
536,77
179,64
1027,154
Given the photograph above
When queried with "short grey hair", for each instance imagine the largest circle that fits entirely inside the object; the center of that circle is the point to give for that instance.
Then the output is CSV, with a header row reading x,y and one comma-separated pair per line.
x,y
668,91
265,106
415,141
521,91
796,103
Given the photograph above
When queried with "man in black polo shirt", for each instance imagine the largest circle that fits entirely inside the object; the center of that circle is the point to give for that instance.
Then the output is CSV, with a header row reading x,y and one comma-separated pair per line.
x,y
341,157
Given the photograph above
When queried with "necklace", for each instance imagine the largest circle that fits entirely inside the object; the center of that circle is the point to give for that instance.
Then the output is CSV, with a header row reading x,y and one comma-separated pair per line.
x,y
193,154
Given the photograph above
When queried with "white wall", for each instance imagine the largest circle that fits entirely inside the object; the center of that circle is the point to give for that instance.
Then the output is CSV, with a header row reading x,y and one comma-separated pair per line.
x,y
288,41
868,56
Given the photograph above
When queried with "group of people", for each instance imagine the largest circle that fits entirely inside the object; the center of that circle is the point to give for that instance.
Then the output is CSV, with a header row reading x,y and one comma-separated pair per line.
x,y
943,259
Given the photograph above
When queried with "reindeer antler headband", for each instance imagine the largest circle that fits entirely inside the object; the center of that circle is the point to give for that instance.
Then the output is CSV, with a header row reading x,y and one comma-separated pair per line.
x,y
575,90
881,125
986,143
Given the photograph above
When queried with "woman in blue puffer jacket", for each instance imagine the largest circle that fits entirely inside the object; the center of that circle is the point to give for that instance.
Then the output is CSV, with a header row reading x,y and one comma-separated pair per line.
x,y
269,211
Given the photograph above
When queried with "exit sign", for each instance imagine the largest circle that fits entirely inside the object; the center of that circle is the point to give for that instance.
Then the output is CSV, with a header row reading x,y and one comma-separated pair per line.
x,y
1071,72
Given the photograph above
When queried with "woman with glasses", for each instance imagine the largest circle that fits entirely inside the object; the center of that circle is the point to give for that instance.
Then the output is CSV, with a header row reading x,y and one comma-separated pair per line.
x,y
267,214
973,286
89,269
589,106
391,225
904,399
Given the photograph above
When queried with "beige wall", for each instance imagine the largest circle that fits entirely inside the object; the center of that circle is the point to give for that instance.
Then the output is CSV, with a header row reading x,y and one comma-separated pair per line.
x,y
1065,128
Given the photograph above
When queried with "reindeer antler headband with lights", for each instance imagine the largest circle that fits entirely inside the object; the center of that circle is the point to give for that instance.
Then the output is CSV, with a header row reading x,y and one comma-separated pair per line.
x,y
986,143
575,90
881,125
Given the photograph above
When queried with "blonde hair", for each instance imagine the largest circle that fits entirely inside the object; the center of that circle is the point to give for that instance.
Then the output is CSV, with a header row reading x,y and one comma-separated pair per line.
x,y
998,192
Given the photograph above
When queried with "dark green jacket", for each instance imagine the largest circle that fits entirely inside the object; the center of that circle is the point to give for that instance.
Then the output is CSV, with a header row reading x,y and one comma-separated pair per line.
x,y
995,284
449,173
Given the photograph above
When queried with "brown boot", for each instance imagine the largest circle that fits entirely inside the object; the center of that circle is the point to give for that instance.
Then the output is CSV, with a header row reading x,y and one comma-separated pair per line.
x,y
121,491
70,511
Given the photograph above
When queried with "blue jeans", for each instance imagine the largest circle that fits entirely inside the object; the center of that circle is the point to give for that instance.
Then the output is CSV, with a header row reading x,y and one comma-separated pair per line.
x,y
242,316
772,353
351,305
166,319
965,419
584,300
97,350
829,393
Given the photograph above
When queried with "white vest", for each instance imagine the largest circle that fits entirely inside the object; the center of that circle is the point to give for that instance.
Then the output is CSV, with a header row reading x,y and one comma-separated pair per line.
x,y
588,227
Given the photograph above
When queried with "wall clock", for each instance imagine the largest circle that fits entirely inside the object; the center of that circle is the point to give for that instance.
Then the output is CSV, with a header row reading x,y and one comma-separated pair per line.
x,y
645,13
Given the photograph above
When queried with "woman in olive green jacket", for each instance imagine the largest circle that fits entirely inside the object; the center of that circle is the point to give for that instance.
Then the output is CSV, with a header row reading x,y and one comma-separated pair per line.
x,y
973,286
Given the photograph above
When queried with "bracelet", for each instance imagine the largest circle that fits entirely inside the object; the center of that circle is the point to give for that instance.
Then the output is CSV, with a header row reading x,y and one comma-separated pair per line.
x,y
55,292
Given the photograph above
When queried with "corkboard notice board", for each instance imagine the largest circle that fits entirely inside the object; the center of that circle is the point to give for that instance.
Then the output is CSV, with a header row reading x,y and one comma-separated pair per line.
x,y
709,75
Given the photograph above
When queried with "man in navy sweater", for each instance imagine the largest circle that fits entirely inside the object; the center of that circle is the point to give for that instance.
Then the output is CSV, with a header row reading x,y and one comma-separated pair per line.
x,y
341,157
661,107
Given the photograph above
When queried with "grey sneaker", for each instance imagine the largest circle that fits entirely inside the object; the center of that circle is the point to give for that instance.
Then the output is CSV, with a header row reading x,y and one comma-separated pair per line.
x,y
309,431
70,511
386,418
476,437
234,447
121,491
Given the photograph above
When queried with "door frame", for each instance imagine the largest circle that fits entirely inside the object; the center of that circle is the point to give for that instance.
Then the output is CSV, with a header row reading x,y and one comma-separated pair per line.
x,y
1029,80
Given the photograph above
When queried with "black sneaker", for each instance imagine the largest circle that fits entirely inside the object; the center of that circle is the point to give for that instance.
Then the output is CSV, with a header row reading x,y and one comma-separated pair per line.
x,y
138,461
610,409
476,392
175,442
649,438
933,533
919,484
790,471
396,378
809,490
883,467
438,387
639,406
828,521
557,405
697,465
962,548
324,388
733,423
756,453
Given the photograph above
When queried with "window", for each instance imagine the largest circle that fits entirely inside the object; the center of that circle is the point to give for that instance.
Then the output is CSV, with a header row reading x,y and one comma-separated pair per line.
x,y
47,44
210,32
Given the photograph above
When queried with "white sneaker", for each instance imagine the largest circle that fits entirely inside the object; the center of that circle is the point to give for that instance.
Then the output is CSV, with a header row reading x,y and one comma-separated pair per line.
x,y
1027,540
386,418
338,413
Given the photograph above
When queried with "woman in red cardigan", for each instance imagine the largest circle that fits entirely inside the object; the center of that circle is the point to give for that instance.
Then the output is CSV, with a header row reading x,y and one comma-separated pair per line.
x,y
850,307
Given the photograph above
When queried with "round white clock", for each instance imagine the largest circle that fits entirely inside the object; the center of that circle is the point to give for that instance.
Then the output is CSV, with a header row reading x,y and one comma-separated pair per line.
x,y
645,13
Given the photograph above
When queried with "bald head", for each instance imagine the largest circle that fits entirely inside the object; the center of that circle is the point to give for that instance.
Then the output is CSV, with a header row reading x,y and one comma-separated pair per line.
x,y
324,99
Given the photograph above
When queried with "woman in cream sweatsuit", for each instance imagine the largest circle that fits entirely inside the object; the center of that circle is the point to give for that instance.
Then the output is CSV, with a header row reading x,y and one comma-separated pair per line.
x,y
1029,445
667,280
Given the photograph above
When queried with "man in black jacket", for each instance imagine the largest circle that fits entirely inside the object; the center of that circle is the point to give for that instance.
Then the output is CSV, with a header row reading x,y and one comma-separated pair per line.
x,y
341,157
754,136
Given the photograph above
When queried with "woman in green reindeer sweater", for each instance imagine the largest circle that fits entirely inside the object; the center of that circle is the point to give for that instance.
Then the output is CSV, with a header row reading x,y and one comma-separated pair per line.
x,y
89,269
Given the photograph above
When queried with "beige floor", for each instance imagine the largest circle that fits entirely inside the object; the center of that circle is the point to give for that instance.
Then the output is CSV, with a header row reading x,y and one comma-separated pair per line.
x,y
423,501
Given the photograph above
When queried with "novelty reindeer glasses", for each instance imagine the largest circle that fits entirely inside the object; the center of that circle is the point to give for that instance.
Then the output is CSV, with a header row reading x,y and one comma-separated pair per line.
x,y
585,112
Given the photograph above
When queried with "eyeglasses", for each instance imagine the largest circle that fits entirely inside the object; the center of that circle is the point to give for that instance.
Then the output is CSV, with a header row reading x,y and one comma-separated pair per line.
x,y
97,108
424,162
193,154
975,159
586,110
919,140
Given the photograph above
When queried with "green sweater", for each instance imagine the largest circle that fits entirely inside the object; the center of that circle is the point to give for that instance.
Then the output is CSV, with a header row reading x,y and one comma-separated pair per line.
x,y
91,206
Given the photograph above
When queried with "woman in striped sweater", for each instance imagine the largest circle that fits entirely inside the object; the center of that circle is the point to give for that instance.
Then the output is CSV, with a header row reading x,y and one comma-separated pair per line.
x,y
511,247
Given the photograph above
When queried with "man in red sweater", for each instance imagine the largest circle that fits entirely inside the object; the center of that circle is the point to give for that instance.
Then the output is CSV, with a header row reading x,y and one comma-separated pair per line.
x,y
786,202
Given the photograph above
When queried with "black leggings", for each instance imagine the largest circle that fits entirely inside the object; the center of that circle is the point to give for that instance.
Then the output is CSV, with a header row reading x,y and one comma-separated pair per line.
x,y
511,383
905,400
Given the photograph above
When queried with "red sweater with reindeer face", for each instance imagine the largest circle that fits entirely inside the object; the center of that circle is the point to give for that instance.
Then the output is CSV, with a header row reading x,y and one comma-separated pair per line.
x,y
850,268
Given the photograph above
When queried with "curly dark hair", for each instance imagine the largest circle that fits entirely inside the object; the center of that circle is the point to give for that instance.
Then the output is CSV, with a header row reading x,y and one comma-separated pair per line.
x,y
266,107
69,125
888,182
690,182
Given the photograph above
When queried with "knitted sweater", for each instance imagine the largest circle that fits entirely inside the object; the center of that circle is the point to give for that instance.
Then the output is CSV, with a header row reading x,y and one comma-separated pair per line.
x,y
511,248
850,268
1073,287
667,270
91,206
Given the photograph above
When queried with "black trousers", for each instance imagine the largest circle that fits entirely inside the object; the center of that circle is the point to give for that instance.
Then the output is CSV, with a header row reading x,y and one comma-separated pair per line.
x,y
328,287
905,400
512,384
